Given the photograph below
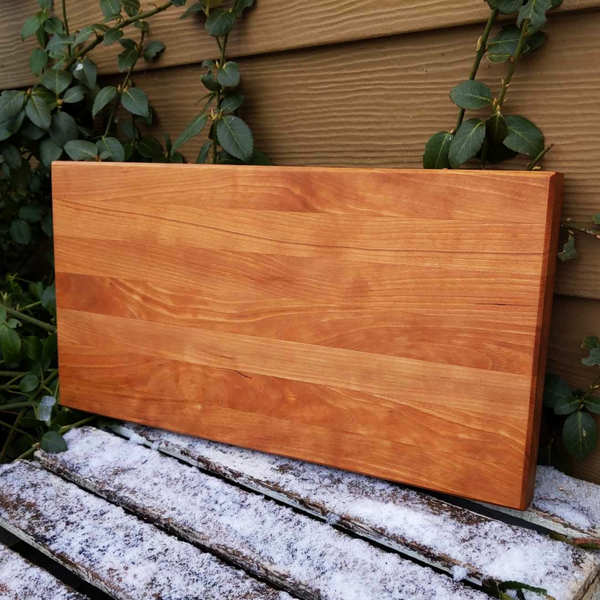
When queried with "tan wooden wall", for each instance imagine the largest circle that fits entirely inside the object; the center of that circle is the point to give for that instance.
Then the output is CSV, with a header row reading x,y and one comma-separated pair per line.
x,y
360,83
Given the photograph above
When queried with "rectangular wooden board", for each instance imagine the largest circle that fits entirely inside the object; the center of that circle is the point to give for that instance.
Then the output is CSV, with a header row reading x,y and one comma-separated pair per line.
x,y
389,322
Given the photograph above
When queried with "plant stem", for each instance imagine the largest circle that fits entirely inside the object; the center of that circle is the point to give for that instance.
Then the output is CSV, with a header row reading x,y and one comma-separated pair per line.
x,y
580,228
10,437
100,36
26,404
222,47
12,373
121,90
539,157
9,387
28,319
481,47
15,429
515,60
66,23
592,387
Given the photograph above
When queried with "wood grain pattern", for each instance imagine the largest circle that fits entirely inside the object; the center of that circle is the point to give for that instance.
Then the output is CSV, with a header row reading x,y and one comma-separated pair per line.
x,y
392,94
326,314
269,27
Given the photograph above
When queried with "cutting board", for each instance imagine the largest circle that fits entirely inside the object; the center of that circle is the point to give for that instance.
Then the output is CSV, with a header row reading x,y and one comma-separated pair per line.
x,y
389,322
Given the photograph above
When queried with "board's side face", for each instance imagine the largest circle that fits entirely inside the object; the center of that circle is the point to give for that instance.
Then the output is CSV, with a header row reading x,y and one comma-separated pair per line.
x,y
387,322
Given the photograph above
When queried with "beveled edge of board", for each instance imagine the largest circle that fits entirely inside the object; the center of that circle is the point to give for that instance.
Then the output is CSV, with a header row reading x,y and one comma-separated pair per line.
x,y
555,182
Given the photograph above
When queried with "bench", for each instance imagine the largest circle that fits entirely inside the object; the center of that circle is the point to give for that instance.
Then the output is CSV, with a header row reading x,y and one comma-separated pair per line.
x,y
142,513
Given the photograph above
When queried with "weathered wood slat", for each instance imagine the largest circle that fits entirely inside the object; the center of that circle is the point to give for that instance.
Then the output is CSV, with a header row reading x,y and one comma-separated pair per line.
x,y
563,504
269,27
20,580
304,556
411,522
116,552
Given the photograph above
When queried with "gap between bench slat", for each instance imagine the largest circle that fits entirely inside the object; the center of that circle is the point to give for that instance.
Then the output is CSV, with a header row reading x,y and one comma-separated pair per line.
x,y
303,555
411,522
116,552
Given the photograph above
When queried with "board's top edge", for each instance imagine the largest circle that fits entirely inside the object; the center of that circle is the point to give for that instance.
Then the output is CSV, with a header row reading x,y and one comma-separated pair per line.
x,y
68,165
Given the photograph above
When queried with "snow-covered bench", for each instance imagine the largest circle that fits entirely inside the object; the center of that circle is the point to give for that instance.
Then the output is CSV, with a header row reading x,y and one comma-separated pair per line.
x,y
174,517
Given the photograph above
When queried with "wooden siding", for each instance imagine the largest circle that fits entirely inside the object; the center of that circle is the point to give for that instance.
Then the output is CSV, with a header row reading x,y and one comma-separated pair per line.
x,y
352,84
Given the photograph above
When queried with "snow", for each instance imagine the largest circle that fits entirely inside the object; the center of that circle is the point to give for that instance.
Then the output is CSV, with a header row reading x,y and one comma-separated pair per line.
x,y
305,555
133,559
44,409
20,580
571,500
400,517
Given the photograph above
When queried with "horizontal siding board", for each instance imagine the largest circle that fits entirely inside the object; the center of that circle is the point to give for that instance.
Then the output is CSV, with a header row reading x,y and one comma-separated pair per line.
x,y
268,28
375,102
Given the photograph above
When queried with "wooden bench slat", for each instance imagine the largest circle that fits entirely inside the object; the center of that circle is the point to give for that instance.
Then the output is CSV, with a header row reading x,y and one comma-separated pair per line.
x,y
116,552
412,522
563,504
306,557
21,580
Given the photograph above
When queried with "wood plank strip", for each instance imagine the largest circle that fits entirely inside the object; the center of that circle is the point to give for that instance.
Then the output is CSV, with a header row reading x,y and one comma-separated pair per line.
x,y
405,520
267,28
114,551
304,556
21,580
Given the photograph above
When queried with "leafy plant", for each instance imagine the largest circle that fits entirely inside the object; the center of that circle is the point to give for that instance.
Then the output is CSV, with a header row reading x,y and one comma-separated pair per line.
x,y
57,119
569,251
574,410
499,137
230,139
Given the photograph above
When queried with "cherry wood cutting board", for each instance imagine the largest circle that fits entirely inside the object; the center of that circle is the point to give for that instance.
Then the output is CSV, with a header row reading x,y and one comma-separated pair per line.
x,y
390,322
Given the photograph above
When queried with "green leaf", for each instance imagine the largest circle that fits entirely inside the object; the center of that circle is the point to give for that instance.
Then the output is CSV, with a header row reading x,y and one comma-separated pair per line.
x,y
9,128
232,103
535,41
580,435
38,112
83,34
235,137
132,7
49,296
45,4
496,128
178,2
29,383
506,7
30,27
150,147
86,71
20,232
38,60
523,136
110,8
566,406
209,82
152,50
11,155
10,343
569,252
596,219
192,130
74,94
467,142
471,95
593,359
47,225
32,132
229,74
53,443
220,23
591,341
136,102
104,97
111,148
192,10
53,25
534,12
58,43
112,36
56,81
81,150
63,128
556,389
203,154
260,158
11,102
504,45
49,151
240,6
127,58
32,347
49,350
32,213
436,151
592,403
